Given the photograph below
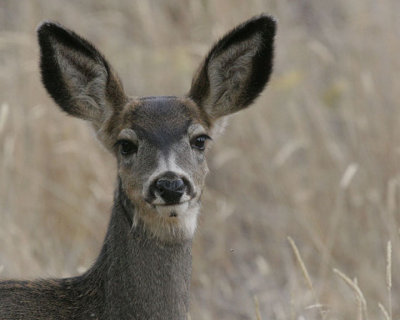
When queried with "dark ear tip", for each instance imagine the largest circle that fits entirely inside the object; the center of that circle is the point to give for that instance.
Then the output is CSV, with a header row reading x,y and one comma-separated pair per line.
x,y
267,22
46,28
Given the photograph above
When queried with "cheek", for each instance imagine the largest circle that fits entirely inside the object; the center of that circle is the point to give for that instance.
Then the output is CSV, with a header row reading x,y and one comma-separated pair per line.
x,y
130,181
200,169
134,172
201,174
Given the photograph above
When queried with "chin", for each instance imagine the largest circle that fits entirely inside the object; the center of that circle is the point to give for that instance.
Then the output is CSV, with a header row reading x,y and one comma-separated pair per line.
x,y
169,222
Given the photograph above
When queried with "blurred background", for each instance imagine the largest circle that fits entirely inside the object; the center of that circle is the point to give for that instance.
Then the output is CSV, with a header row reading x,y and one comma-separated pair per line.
x,y
317,158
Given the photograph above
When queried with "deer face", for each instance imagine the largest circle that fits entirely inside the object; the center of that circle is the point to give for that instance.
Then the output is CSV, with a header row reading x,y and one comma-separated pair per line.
x,y
159,142
160,145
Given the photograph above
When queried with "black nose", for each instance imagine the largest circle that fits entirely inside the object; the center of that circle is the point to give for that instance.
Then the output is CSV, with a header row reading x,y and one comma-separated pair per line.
x,y
170,188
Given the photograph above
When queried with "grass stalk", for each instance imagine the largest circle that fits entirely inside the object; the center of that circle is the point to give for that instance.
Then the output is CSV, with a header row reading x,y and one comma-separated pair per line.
x,y
353,285
257,308
306,276
389,277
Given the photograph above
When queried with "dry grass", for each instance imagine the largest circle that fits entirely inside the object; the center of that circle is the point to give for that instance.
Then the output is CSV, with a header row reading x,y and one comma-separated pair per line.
x,y
317,158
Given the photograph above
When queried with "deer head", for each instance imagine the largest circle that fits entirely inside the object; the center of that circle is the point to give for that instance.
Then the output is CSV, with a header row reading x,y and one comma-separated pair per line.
x,y
160,143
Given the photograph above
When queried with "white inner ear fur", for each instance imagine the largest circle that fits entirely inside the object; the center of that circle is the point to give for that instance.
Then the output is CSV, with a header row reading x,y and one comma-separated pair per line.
x,y
228,72
87,93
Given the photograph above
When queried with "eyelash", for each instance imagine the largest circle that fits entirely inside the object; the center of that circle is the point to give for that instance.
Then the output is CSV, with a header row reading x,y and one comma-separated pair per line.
x,y
199,142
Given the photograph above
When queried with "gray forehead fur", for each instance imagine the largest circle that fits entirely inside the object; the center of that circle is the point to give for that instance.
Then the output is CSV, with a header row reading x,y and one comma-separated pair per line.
x,y
161,121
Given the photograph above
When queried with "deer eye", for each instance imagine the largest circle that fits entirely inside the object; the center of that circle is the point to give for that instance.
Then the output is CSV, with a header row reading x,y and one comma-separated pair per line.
x,y
199,142
127,147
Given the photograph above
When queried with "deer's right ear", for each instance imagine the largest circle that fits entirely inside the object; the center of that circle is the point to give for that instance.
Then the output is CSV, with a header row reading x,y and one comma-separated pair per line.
x,y
236,69
76,75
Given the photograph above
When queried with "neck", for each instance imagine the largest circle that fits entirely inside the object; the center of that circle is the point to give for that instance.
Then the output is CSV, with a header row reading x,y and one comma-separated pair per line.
x,y
142,277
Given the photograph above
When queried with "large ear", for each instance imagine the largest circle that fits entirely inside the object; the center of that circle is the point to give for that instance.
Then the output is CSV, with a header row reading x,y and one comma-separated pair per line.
x,y
236,69
76,75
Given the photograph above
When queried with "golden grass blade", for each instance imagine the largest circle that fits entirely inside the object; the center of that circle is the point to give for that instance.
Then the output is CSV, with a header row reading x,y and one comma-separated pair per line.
x,y
3,115
301,263
257,308
362,303
348,175
385,313
359,303
306,276
389,276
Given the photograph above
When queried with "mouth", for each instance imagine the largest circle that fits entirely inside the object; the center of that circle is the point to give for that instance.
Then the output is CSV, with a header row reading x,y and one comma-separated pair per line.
x,y
171,210
169,205
173,214
157,202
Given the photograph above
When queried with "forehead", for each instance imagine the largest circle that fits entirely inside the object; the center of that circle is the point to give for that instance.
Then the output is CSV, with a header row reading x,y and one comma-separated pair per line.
x,y
161,119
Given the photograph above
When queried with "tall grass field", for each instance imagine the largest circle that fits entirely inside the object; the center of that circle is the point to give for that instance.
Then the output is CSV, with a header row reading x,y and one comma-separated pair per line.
x,y
301,214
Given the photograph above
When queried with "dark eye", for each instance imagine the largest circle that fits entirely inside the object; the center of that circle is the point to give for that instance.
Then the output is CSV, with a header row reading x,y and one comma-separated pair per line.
x,y
127,147
199,142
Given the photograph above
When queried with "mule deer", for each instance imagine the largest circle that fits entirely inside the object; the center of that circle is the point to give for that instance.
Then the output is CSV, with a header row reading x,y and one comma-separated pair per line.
x,y
143,270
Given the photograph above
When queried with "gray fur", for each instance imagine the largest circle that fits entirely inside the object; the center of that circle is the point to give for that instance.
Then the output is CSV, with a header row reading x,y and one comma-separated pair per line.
x,y
136,277
144,268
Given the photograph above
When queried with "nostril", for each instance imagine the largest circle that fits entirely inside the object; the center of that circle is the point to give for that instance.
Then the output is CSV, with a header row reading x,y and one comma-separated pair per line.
x,y
176,185
161,185
171,190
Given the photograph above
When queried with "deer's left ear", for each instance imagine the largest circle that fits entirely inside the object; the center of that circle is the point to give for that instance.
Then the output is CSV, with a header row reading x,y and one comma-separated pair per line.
x,y
236,69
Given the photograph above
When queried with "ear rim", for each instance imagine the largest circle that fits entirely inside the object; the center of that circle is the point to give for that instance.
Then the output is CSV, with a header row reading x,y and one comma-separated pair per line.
x,y
263,24
51,74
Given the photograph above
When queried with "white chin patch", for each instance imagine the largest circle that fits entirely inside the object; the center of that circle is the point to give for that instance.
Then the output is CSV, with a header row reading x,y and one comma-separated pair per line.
x,y
171,223
173,211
